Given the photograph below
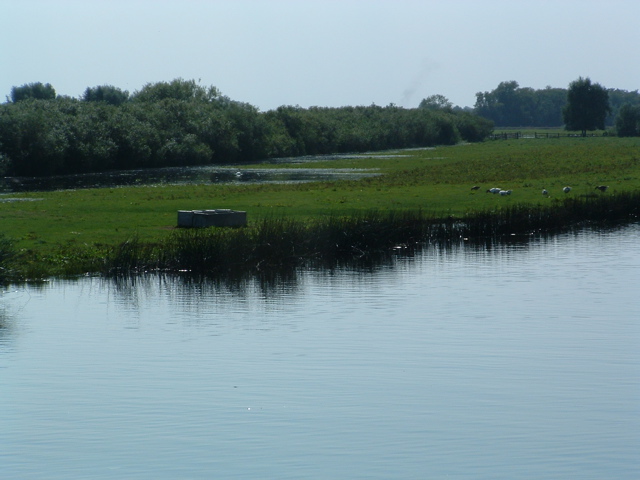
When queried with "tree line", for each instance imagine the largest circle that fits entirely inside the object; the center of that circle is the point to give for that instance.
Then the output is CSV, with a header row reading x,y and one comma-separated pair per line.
x,y
510,105
181,123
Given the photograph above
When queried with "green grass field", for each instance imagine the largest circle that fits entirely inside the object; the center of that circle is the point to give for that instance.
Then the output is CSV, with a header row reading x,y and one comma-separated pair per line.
x,y
58,225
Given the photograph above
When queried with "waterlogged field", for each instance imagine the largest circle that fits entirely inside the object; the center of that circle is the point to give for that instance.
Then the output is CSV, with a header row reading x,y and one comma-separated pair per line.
x,y
64,227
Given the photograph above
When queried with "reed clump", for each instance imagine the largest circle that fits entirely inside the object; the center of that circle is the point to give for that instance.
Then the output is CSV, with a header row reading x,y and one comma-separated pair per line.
x,y
7,255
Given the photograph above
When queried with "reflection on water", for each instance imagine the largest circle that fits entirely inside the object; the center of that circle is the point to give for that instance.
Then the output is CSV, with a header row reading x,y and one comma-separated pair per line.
x,y
4,330
515,361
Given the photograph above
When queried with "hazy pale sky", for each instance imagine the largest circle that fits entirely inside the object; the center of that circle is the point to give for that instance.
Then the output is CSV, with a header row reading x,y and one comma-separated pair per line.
x,y
320,52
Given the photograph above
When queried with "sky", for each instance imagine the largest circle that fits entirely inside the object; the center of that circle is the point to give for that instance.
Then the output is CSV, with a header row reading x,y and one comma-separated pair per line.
x,y
326,53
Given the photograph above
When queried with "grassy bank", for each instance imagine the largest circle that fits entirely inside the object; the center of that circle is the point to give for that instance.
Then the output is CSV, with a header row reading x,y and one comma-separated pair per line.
x,y
428,191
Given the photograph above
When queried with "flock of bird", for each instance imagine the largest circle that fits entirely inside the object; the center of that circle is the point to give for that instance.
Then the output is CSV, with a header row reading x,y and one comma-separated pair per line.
x,y
499,191
545,192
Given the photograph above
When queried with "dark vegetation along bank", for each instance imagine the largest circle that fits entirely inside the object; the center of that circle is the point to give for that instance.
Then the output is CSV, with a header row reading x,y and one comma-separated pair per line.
x,y
280,246
182,123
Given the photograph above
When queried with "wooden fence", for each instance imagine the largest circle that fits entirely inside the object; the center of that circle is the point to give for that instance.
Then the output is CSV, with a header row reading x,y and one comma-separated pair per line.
x,y
518,135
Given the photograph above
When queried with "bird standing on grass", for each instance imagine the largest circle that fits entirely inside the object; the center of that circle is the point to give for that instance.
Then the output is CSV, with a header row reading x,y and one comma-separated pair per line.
x,y
545,192
566,189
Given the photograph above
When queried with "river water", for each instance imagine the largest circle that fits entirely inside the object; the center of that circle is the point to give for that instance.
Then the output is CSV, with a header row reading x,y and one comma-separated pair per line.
x,y
516,362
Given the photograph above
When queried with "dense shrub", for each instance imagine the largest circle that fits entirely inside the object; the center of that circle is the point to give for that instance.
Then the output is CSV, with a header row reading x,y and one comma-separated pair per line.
x,y
181,123
29,91
105,93
628,121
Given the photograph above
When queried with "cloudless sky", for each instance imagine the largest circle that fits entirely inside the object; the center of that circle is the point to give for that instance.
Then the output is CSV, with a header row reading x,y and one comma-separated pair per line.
x,y
320,52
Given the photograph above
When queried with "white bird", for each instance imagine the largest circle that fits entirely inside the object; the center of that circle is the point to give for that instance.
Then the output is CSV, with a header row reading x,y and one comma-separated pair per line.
x,y
566,189
544,191
494,190
505,192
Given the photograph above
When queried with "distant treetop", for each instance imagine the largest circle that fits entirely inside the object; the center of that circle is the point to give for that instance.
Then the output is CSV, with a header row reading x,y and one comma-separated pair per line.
x,y
177,89
105,93
36,90
436,102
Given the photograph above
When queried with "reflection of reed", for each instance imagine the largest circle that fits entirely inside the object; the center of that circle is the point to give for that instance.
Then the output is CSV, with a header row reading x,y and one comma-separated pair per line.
x,y
275,248
242,284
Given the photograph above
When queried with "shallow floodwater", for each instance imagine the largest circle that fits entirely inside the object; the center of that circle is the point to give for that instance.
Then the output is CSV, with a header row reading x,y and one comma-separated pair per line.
x,y
209,174
518,362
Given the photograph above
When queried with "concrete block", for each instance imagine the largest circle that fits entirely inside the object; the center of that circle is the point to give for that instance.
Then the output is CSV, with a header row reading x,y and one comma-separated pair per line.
x,y
212,218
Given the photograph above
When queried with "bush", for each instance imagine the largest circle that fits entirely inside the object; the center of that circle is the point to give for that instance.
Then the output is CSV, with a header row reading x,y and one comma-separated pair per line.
x,y
181,123
628,121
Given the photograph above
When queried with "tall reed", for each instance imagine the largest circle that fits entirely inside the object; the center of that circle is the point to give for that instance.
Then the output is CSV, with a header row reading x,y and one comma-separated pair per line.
x,y
7,254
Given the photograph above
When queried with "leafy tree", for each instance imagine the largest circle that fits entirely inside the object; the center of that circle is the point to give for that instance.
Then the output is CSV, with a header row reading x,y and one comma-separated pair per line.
x,y
510,105
549,104
617,99
628,121
587,106
89,146
472,128
177,89
507,105
33,137
37,91
105,93
436,102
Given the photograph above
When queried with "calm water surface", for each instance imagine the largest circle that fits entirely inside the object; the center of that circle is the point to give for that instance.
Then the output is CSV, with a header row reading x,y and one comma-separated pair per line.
x,y
519,362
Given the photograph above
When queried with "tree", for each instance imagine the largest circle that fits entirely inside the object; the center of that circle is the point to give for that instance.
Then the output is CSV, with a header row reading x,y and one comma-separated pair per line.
x,y
37,90
178,89
105,93
508,105
436,102
628,121
549,104
587,106
619,98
